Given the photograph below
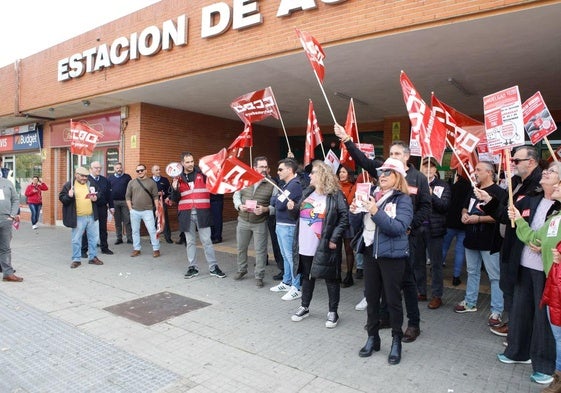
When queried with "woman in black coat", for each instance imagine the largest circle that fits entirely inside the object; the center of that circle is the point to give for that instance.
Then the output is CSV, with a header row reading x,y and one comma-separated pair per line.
x,y
323,218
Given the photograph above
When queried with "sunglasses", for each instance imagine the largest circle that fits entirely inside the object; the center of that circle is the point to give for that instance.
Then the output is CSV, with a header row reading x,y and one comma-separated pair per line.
x,y
140,170
384,172
519,160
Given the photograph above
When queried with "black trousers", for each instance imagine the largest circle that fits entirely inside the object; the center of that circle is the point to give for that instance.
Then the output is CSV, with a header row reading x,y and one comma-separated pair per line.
x,y
529,332
102,213
383,276
216,209
409,287
308,285
271,224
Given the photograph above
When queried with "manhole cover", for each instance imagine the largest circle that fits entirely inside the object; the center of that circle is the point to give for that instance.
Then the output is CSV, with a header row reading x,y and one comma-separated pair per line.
x,y
156,308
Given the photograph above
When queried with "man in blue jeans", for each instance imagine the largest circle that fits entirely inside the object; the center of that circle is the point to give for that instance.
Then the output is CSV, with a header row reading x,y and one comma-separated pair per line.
x,y
482,244
286,227
79,212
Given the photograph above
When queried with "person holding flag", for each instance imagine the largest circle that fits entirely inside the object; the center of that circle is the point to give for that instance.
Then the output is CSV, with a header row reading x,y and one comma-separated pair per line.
x,y
286,228
421,198
80,212
190,193
253,206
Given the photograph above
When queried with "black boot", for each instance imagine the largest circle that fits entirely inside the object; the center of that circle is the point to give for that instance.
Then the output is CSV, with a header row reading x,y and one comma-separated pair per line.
x,y
348,280
395,352
372,345
359,274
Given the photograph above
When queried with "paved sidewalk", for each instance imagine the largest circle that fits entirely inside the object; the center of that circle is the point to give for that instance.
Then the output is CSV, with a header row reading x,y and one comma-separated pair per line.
x,y
55,335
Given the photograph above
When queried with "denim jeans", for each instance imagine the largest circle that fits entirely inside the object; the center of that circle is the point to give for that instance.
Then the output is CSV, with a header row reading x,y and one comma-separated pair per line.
x,y
35,209
148,217
191,240
491,261
285,235
556,330
459,250
359,260
85,224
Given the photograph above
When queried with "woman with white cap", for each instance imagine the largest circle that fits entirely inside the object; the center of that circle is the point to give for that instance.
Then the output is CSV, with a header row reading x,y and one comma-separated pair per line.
x,y
382,236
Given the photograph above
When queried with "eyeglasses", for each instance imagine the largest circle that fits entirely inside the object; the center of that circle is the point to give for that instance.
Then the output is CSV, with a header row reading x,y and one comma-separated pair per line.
x,y
549,171
519,160
384,172
140,170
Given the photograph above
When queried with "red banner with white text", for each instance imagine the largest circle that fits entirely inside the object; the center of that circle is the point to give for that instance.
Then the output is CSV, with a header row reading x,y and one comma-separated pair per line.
x,y
256,106
83,138
227,174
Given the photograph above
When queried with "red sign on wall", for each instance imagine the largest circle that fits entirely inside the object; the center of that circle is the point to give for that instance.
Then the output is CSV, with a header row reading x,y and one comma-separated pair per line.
x,y
6,143
107,124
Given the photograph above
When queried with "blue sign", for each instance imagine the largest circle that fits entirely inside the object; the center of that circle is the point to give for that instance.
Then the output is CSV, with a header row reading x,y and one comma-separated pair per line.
x,y
27,141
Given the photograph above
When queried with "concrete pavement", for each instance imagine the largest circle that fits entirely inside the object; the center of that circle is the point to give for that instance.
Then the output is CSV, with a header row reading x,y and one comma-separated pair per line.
x,y
55,335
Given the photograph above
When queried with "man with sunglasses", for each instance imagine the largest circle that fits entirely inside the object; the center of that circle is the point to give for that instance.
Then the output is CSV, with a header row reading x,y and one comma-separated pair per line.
x,y
421,198
142,197
525,183
286,227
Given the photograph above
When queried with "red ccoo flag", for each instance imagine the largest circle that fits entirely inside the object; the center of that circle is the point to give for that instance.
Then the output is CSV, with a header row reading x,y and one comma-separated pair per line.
x,y
245,139
463,132
428,134
313,135
351,128
256,106
227,174
83,138
314,52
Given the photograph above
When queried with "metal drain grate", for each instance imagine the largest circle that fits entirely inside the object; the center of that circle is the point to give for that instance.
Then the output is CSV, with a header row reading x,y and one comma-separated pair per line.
x,y
156,308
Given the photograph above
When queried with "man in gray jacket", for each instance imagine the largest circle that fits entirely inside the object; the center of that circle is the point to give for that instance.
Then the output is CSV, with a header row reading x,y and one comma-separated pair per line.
x,y
9,206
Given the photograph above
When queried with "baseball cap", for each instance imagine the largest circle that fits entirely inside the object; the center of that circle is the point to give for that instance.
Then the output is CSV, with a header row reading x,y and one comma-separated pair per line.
x,y
82,171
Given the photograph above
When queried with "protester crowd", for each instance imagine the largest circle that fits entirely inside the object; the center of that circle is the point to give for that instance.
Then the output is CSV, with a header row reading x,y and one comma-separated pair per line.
x,y
316,218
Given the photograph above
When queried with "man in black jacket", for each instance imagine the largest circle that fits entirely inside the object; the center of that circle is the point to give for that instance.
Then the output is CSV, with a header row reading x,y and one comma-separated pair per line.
x,y
80,212
421,198
104,200
431,235
525,182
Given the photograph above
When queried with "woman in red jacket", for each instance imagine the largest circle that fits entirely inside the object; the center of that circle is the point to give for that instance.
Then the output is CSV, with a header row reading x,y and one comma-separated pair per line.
x,y
34,199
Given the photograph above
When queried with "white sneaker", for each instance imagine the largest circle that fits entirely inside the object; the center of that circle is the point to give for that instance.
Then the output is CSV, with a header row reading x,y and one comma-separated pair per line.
x,y
34,226
282,287
362,305
293,294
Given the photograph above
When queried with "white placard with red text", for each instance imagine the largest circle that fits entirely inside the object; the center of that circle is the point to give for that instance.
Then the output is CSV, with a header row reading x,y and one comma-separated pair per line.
x,y
503,119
